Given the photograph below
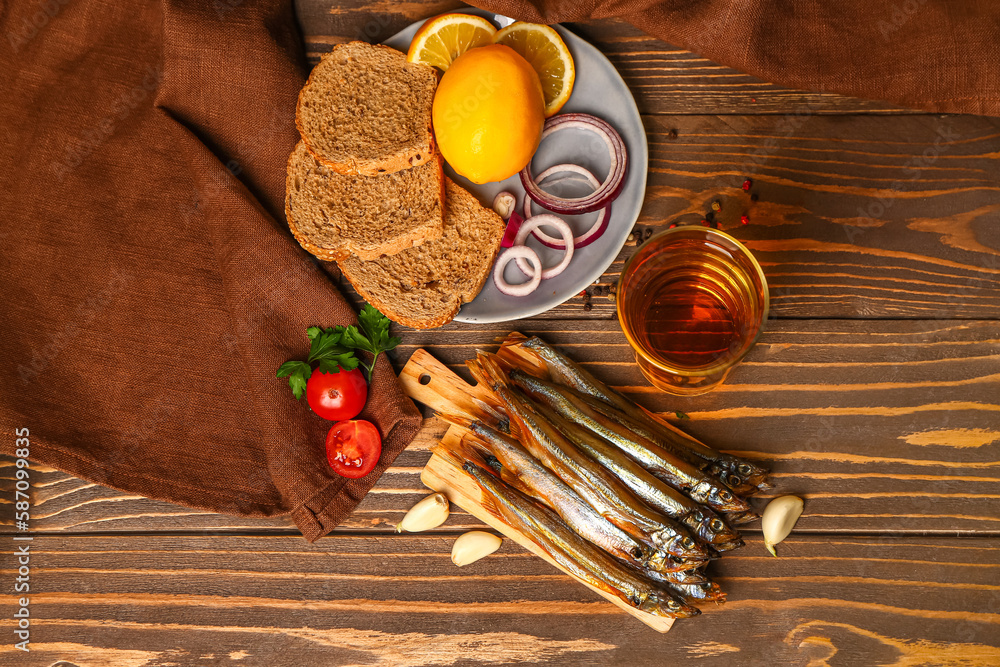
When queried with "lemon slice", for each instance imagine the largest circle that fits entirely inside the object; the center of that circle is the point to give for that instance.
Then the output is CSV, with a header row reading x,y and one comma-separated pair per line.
x,y
545,50
443,38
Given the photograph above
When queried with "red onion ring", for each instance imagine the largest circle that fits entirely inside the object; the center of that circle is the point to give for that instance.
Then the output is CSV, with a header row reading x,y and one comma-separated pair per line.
x,y
518,252
613,184
589,236
567,234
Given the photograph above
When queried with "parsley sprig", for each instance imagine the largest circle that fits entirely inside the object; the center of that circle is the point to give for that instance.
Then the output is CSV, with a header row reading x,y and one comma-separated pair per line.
x,y
334,348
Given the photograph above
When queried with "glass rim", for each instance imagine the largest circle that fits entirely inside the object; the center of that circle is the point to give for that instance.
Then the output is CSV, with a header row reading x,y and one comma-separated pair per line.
x,y
706,370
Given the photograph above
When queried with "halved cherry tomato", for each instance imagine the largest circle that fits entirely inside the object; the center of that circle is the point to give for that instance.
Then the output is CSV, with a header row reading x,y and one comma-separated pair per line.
x,y
353,448
337,396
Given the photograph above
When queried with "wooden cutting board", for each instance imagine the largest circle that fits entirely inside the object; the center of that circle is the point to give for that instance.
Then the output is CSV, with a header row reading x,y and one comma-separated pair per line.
x,y
432,383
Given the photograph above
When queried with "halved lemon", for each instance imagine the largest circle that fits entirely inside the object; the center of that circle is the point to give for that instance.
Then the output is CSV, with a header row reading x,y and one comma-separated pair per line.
x,y
545,50
443,38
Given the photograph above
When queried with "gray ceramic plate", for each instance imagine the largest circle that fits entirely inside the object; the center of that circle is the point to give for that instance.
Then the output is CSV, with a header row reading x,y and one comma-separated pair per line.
x,y
600,91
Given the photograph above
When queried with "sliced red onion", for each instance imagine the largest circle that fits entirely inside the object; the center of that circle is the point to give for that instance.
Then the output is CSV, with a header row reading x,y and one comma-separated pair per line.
x,y
608,190
561,169
553,221
520,253
589,236
510,233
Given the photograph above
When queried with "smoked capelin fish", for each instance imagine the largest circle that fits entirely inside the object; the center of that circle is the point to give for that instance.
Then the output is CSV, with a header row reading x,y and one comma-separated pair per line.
x,y
521,470
689,591
618,498
599,488
703,522
678,473
566,372
572,552
735,482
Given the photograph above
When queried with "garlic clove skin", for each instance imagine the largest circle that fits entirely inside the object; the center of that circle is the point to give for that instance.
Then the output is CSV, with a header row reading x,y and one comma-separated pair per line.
x,y
429,513
471,546
779,518
504,204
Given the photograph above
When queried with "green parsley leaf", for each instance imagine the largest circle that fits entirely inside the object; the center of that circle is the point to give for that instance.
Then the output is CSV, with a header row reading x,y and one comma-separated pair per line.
x,y
356,340
327,343
681,415
375,338
298,373
333,364
332,348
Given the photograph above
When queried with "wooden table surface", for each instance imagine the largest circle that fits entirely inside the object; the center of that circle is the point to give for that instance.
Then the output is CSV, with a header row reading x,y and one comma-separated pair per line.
x,y
875,393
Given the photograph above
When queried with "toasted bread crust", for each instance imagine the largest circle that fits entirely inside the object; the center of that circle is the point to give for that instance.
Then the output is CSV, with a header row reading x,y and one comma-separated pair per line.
x,y
361,167
389,311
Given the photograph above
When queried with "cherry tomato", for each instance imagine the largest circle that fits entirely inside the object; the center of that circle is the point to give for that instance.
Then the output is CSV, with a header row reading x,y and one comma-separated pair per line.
x,y
353,448
337,396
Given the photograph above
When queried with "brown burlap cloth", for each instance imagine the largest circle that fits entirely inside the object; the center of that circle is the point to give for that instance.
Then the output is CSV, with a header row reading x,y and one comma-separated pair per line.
x,y
149,287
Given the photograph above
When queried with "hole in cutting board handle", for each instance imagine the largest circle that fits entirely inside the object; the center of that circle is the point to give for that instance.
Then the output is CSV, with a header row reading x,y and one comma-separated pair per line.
x,y
424,379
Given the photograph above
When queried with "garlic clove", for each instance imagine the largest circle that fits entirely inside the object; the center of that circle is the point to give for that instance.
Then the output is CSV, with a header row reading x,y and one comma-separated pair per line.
x,y
471,546
504,204
429,513
779,518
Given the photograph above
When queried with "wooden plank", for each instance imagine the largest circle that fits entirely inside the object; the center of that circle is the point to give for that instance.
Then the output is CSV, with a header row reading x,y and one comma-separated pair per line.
x,y
353,600
663,78
884,425
852,219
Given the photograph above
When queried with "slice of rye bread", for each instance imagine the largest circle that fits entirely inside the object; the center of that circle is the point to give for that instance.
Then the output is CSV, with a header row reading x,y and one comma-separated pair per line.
x,y
365,110
424,287
334,216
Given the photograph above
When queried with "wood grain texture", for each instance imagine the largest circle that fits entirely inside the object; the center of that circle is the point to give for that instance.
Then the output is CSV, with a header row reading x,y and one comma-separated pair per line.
x,y
369,600
874,393
663,78
884,425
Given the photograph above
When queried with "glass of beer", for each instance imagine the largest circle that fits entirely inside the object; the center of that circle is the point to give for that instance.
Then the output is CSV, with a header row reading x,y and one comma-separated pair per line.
x,y
692,301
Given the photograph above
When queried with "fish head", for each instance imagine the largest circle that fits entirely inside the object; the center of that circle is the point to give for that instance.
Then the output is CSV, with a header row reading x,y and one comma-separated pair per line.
x,y
743,478
709,527
683,547
663,604
719,497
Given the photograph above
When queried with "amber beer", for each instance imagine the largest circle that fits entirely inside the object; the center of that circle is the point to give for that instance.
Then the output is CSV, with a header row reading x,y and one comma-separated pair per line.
x,y
692,302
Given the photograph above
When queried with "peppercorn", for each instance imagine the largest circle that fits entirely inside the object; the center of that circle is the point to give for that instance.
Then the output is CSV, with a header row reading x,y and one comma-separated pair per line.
x,y
672,134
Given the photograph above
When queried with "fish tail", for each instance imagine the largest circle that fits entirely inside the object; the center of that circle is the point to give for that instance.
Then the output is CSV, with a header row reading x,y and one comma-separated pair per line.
x,y
513,338
478,372
457,420
468,449
495,367
515,354
487,371
490,410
